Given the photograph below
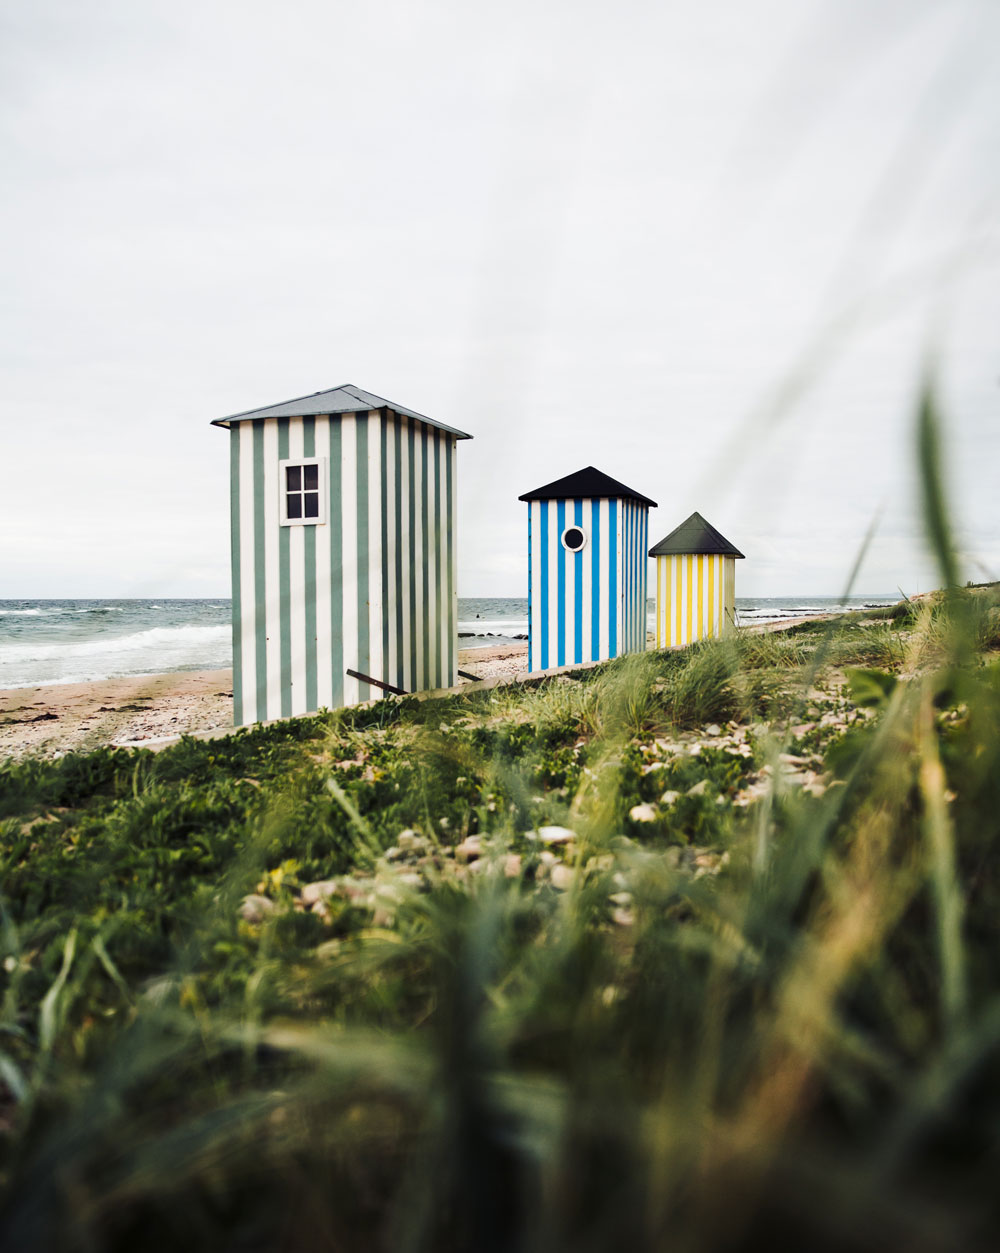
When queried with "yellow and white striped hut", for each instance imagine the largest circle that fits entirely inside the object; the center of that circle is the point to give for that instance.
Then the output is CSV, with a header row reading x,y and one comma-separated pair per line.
x,y
695,584
343,553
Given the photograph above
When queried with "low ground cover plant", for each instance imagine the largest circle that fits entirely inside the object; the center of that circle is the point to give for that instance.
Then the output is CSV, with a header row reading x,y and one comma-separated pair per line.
x,y
552,966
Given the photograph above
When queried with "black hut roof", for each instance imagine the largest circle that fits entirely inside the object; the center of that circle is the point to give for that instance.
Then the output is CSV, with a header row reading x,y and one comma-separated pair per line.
x,y
344,399
694,536
587,482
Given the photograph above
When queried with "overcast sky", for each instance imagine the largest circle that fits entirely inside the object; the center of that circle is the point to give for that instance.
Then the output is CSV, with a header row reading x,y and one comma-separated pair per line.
x,y
708,247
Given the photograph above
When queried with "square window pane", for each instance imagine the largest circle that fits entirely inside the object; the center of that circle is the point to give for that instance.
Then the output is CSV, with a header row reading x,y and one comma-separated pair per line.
x,y
312,504
294,481
311,478
294,505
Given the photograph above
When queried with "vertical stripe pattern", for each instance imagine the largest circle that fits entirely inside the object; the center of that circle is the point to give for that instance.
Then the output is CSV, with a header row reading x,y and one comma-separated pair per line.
x,y
695,598
372,588
588,605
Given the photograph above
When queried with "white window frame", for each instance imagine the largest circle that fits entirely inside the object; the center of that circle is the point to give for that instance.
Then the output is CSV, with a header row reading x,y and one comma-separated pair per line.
x,y
575,526
283,491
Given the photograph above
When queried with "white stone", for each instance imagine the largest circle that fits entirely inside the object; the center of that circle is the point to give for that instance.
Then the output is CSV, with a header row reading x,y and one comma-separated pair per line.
x,y
255,909
642,813
670,798
562,876
319,891
556,835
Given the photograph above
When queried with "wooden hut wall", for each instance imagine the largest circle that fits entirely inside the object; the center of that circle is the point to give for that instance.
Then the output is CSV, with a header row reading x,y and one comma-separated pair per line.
x,y
695,598
589,605
635,524
372,588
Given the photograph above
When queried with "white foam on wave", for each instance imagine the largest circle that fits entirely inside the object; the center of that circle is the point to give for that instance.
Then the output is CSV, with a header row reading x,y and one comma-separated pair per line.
x,y
499,626
154,651
56,610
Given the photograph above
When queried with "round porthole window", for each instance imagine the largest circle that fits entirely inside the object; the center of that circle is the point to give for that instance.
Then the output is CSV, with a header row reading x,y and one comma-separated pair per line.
x,y
573,539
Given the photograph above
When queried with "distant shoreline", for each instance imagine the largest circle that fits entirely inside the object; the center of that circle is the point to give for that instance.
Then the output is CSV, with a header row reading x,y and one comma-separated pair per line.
x,y
152,710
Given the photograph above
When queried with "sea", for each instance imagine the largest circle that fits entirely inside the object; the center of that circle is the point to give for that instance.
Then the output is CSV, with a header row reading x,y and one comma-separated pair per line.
x,y
80,641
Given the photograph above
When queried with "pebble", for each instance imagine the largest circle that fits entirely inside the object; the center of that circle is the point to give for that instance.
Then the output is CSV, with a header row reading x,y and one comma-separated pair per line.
x,y
320,891
562,876
709,863
670,798
356,891
556,835
470,848
255,909
699,788
642,813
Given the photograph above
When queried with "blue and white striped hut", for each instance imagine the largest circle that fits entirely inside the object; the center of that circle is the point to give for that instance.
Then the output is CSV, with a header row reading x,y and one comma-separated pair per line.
x,y
343,552
587,538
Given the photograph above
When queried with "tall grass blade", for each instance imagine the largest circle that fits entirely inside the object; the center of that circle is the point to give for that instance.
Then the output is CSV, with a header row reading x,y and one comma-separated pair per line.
x,y
948,904
935,512
51,1009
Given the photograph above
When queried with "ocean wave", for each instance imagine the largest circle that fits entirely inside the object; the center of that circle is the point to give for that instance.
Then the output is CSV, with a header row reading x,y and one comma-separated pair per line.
x,y
499,626
152,641
56,610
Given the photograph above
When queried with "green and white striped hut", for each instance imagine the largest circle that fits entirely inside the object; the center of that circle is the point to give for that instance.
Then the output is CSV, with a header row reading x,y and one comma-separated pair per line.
x,y
343,553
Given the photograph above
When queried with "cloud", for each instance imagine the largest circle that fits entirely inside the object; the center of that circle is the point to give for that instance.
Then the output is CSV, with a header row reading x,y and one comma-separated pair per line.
x,y
585,235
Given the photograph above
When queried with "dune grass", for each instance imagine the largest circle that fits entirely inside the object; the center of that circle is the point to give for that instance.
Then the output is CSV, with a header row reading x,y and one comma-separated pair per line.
x,y
751,1002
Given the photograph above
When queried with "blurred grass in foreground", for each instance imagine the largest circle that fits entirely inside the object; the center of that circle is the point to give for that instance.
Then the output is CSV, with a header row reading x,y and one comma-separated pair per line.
x,y
739,1012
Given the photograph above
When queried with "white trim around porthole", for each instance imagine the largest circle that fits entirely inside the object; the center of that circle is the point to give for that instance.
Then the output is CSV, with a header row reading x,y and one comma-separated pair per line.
x,y
302,493
574,548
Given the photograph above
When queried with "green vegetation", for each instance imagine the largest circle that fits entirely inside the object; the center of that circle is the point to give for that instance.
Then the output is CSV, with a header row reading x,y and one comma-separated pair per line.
x,y
553,966
696,951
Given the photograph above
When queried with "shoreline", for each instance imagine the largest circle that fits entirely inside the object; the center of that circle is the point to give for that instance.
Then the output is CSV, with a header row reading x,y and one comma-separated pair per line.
x,y
153,710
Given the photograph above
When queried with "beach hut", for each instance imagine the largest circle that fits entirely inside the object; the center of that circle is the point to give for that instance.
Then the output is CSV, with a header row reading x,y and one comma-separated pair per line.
x,y
343,552
695,584
587,537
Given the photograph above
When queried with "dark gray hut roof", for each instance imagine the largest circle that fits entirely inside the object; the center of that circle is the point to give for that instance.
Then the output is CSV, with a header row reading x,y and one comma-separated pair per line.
x,y
344,399
586,482
694,536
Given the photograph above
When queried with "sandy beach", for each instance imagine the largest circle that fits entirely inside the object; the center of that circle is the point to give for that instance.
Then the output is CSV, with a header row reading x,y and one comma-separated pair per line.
x,y
145,710
150,711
